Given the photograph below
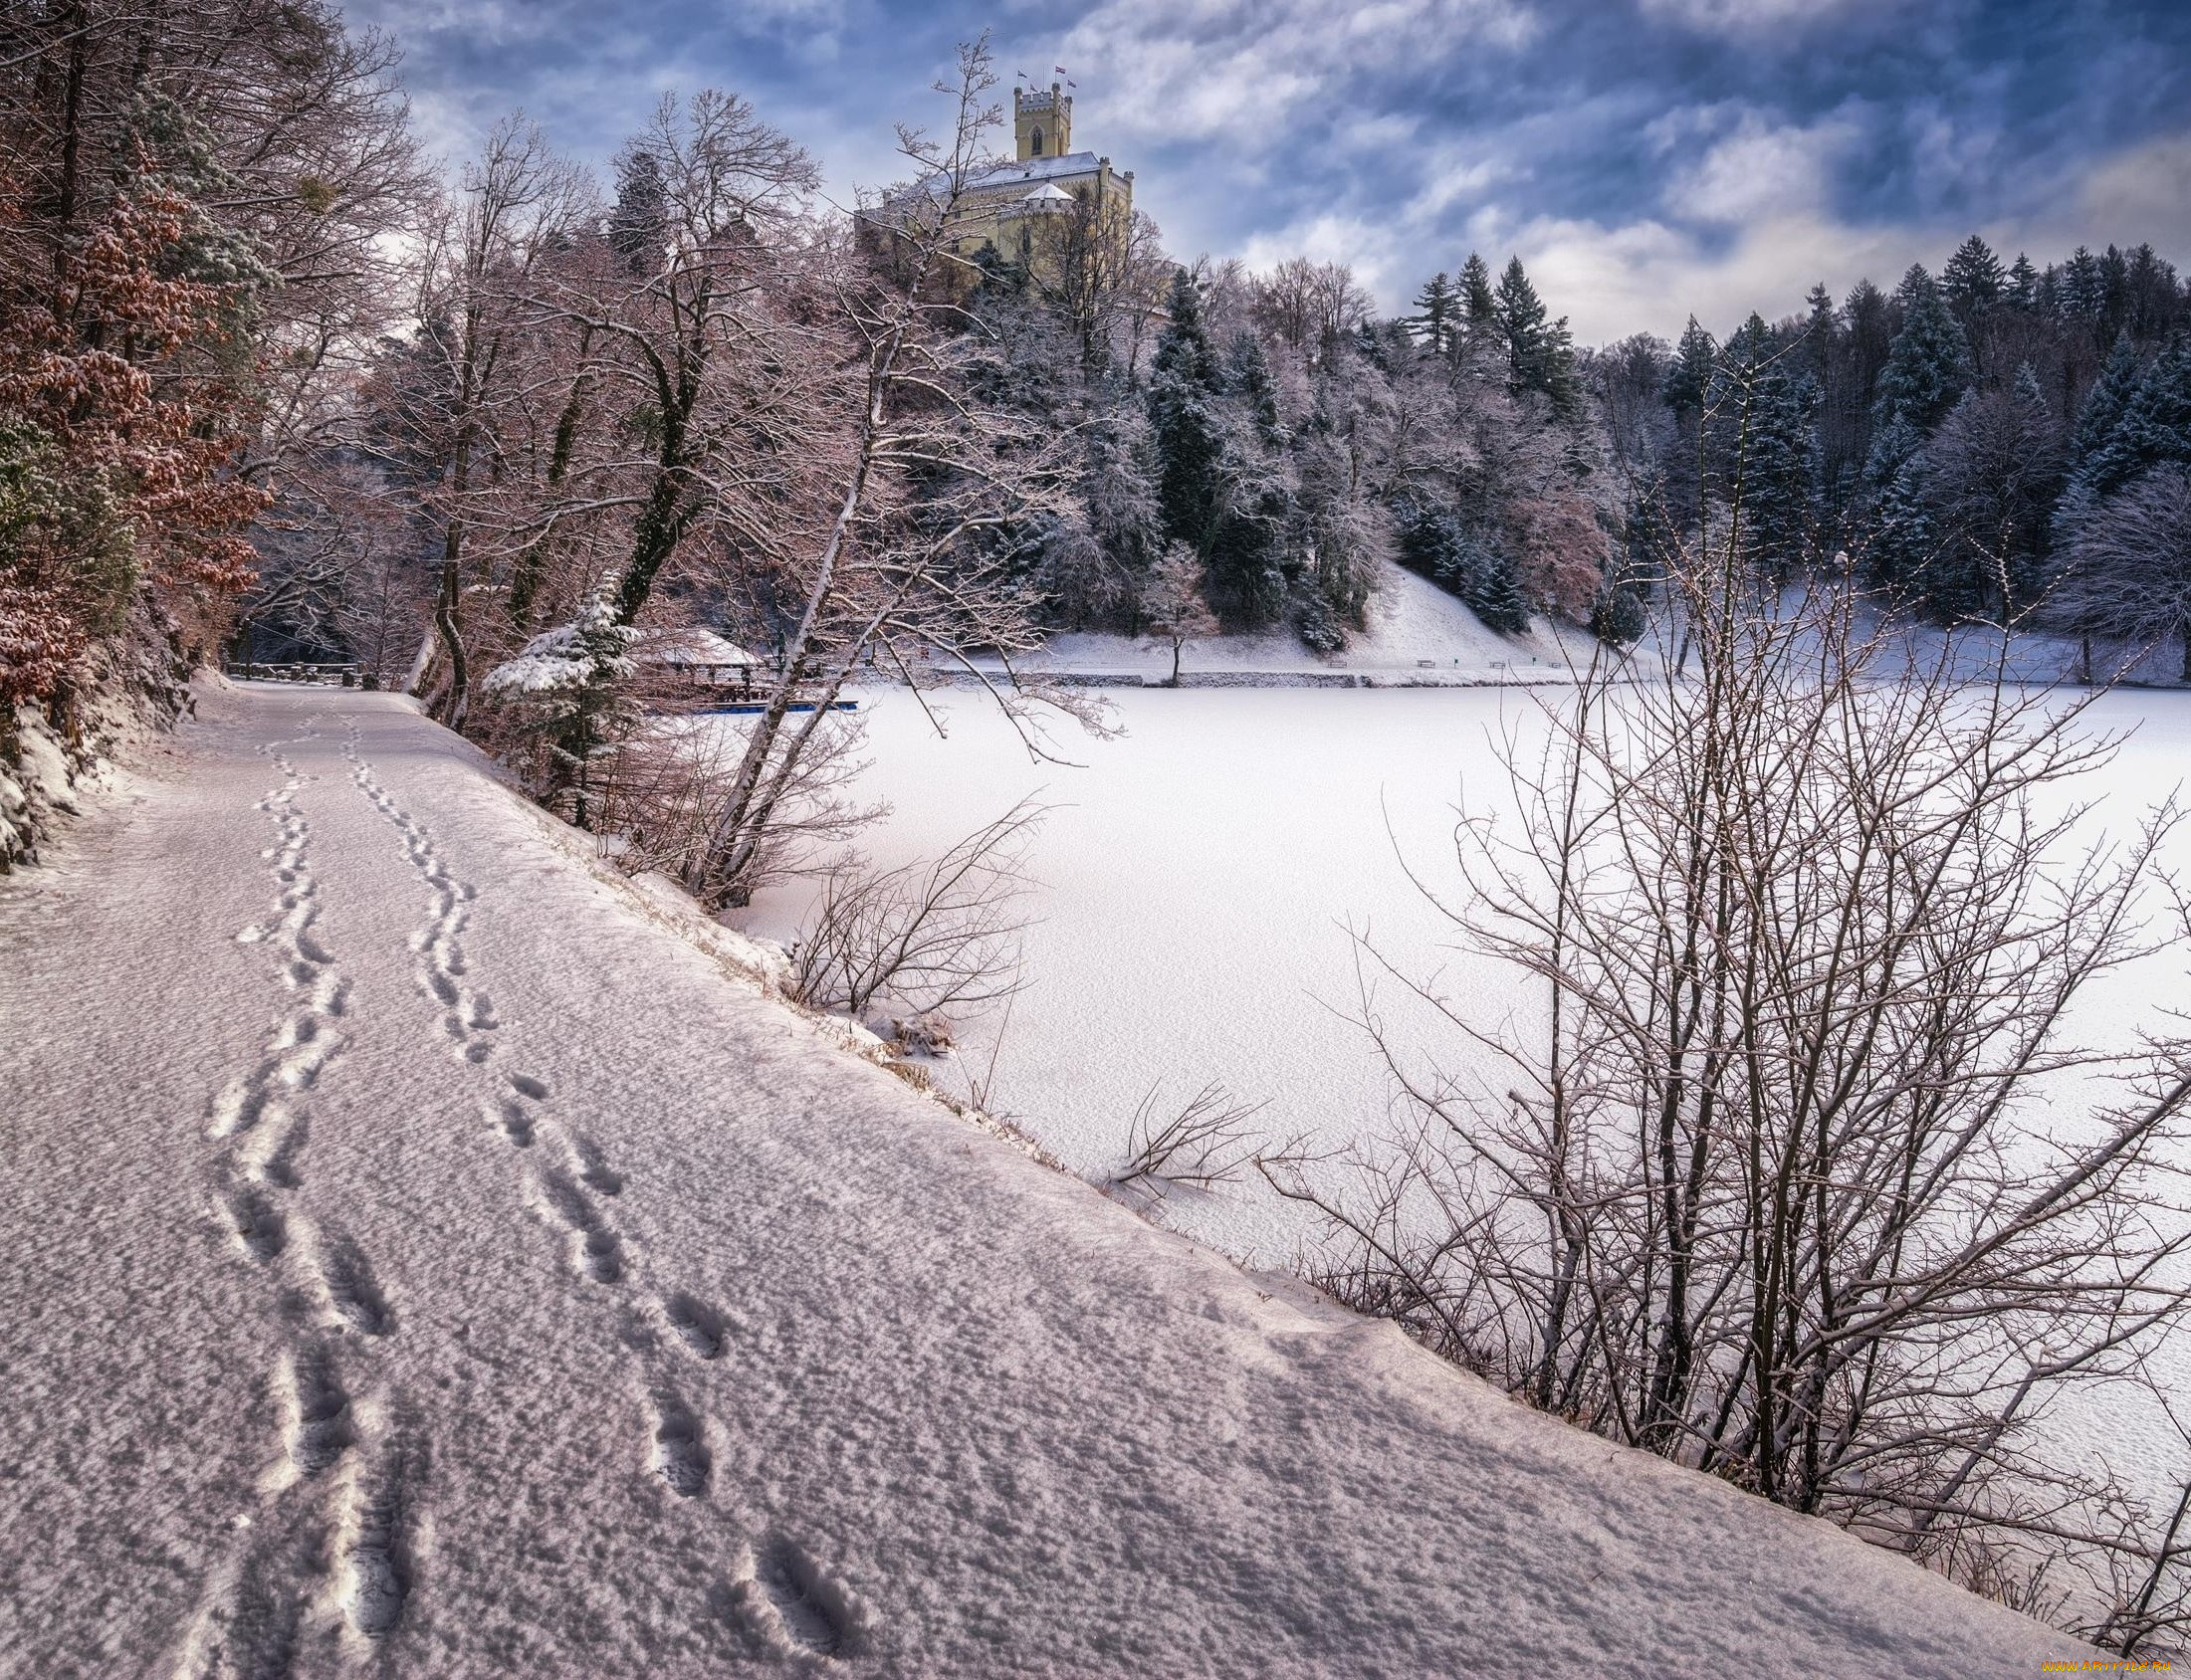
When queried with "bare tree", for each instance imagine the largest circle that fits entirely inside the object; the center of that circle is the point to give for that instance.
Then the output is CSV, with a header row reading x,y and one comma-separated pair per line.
x,y
2129,568
516,205
1774,1182
1172,602
930,493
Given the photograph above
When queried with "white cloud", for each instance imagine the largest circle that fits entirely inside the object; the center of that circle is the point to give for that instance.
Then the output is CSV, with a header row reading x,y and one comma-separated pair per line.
x,y
1759,171
1372,250
1644,276
2139,194
1751,17
1205,69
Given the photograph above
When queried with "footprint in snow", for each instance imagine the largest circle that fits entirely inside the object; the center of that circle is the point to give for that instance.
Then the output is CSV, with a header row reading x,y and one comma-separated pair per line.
x,y
788,1604
680,1454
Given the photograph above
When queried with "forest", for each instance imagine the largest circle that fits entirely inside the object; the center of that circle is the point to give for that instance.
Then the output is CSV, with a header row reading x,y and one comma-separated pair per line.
x,y
270,373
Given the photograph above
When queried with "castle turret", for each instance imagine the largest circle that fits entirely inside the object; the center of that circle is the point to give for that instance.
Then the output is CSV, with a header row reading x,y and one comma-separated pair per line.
x,y
1042,123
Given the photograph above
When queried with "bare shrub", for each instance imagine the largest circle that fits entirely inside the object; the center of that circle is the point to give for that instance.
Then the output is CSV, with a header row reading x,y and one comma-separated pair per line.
x,y
659,785
933,937
1204,1145
1780,1181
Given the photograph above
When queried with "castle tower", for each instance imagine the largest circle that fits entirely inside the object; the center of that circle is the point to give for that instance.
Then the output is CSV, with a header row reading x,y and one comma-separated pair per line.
x,y
1042,123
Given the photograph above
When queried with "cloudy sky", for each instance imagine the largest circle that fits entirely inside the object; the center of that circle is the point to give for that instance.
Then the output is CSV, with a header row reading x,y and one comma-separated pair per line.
x,y
1644,157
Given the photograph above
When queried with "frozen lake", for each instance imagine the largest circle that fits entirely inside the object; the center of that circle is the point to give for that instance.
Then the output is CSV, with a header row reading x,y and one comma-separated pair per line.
x,y
1200,879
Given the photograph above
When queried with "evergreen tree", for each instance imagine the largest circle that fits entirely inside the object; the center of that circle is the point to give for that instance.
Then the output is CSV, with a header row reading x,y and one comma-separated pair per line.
x,y
1249,380
1648,538
1690,377
2022,289
2155,301
638,223
1764,438
2103,406
1437,314
1819,332
1929,364
1616,615
1973,280
1185,384
2115,292
2081,291
1529,345
2155,426
1435,540
1479,310
1904,539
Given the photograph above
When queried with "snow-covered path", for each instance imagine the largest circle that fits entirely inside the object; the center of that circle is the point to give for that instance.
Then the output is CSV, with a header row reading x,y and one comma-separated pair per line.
x,y
419,1259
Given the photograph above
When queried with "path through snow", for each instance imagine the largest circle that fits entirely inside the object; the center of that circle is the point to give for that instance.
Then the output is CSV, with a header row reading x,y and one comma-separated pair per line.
x,y
421,1260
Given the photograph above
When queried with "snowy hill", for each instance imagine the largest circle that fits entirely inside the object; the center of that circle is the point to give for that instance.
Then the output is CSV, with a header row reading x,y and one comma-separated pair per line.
x,y
1416,632
430,1253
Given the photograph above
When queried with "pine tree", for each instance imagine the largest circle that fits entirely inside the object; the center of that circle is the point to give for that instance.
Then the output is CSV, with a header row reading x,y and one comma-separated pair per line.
x,y
1973,280
2103,406
1819,332
1929,364
2115,292
1479,310
1437,314
2080,292
1528,339
1690,376
1185,382
2155,301
638,223
2155,426
1249,380
1764,435
1904,540
2022,289
1435,540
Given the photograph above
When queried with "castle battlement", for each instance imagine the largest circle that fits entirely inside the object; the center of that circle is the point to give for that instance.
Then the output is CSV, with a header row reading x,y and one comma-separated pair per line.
x,y
1042,122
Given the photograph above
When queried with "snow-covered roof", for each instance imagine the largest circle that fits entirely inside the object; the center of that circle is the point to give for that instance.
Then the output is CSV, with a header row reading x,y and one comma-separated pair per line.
x,y
694,646
1027,171
1062,167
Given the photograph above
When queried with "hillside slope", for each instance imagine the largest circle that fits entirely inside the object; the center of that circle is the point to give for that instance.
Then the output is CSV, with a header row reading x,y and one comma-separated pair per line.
x,y
1413,629
423,1259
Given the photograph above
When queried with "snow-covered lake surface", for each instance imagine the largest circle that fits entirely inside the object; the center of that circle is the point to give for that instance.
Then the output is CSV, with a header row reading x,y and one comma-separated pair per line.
x,y
1202,880
1199,878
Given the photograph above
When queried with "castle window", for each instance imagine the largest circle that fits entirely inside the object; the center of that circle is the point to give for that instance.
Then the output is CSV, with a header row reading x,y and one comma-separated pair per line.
x,y
1034,142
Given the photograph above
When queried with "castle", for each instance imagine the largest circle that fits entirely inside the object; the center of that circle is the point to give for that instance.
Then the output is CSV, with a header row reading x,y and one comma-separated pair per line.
x,y
1021,207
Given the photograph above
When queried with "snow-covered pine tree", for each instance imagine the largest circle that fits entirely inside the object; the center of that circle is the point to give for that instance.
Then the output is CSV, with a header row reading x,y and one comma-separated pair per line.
x,y
1185,384
1690,376
1903,536
2079,289
2022,287
1248,381
2155,426
638,223
1521,316
2105,405
1761,420
1929,364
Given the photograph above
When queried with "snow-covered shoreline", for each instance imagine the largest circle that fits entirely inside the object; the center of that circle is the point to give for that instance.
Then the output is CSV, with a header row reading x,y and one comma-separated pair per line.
x,y
441,1260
